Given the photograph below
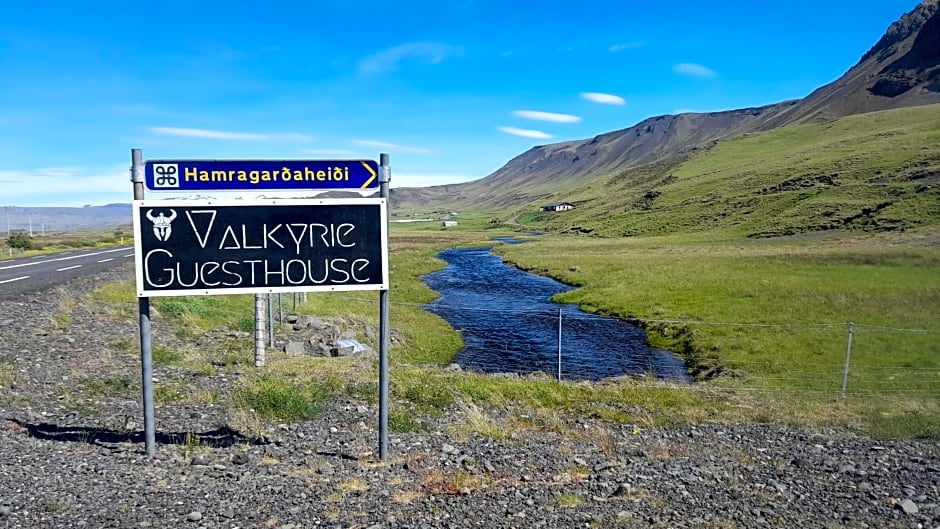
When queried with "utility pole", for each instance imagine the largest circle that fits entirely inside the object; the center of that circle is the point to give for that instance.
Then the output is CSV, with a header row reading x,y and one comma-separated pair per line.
x,y
30,226
6,209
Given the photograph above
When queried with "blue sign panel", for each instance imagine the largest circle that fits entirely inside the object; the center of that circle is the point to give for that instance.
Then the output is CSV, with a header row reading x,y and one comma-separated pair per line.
x,y
251,175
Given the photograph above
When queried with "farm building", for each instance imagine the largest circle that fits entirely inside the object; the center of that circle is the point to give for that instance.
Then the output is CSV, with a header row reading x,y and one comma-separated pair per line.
x,y
558,206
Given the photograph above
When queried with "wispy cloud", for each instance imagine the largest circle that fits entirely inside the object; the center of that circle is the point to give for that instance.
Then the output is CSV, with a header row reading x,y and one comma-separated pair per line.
x,y
330,152
388,59
694,70
526,133
627,46
38,186
227,135
551,117
391,146
604,99
428,179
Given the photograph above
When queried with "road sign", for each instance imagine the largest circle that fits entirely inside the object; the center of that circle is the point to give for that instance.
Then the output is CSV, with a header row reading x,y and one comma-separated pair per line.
x,y
259,175
190,247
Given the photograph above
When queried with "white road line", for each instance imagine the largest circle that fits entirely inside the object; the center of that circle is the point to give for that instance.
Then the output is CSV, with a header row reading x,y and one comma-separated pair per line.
x,y
68,268
106,260
128,255
78,256
12,280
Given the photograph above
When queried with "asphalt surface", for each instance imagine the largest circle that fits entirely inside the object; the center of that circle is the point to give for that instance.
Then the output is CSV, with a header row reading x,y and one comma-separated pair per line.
x,y
38,272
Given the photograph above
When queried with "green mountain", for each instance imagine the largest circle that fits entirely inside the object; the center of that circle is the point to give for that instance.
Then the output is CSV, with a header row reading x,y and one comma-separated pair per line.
x,y
642,171
876,171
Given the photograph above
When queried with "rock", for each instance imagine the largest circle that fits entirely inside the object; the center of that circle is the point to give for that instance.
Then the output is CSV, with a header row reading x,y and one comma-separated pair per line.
x,y
6,510
319,348
453,368
200,460
194,516
622,490
450,450
908,506
240,458
295,348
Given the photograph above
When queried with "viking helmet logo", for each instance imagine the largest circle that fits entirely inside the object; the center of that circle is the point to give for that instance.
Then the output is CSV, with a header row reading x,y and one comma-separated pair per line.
x,y
162,225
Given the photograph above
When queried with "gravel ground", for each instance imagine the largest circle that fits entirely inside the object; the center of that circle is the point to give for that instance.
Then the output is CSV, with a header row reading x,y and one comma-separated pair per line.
x,y
68,459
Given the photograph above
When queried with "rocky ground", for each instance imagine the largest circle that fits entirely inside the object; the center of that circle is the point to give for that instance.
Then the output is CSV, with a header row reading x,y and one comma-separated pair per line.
x,y
67,461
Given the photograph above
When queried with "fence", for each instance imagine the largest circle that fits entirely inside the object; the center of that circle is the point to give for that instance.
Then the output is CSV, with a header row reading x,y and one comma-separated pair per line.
x,y
834,359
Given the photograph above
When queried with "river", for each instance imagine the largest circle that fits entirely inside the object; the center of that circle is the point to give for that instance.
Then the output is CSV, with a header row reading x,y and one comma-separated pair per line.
x,y
509,324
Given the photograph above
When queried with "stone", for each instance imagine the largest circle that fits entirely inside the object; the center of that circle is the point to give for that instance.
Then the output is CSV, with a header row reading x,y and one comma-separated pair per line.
x,y
622,490
194,516
908,506
319,348
295,348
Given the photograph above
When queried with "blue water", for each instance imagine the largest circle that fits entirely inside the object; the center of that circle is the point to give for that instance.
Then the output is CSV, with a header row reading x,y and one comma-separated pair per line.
x,y
509,324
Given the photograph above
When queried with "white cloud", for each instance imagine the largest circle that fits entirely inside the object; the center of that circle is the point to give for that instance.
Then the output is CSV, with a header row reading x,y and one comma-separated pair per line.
x,y
604,99
551,117
66,186
391,146
330,152
627,46
388,59
694,70
226,135
526,133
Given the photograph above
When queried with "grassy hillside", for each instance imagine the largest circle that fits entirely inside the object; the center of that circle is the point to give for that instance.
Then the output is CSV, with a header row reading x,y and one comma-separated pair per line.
x,y
874,172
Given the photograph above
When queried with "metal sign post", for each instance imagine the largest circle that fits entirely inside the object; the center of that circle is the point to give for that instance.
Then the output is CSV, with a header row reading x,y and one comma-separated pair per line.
x,y
385,176
146,347
260,246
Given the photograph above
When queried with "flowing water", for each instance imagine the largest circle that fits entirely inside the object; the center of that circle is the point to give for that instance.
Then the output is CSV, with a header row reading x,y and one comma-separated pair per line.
x,y
509,324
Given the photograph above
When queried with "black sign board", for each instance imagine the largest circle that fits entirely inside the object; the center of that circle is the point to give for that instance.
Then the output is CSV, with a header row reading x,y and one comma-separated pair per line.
x,y
186,247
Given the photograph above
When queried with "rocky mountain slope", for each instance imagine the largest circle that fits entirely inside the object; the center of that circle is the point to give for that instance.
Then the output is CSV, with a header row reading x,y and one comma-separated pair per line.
x,y
902,69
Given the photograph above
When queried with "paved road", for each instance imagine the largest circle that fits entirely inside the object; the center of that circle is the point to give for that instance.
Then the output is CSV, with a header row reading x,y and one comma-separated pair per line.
x,y
42,271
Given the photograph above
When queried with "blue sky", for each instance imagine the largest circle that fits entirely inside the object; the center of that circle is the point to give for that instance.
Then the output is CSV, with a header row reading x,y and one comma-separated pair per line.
x,y
451,89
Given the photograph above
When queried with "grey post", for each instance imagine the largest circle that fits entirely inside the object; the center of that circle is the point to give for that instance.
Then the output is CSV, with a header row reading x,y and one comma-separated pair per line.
x,y
385,175
271,320
259,330
559,345
848,356
146,345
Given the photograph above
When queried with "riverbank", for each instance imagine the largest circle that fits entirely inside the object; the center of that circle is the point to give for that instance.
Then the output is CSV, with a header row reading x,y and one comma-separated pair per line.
x,y
775,316
69,454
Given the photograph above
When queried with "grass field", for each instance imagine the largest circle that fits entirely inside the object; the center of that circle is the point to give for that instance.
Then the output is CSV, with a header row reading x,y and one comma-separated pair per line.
x,y
773,313
787,374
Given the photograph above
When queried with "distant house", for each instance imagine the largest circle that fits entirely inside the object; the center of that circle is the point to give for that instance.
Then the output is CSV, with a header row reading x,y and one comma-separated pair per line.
x,y
558,206
449,224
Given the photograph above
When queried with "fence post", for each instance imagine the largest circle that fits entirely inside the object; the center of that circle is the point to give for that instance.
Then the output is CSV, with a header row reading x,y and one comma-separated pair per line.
x,y
271,320
848,356
559,345
259,330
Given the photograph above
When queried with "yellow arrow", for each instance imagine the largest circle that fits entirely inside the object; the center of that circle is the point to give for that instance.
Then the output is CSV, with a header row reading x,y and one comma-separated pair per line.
x,y
368,168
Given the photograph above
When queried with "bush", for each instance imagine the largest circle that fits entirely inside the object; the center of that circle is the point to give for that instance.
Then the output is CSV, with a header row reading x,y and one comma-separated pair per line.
x,y
19,240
